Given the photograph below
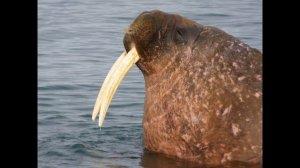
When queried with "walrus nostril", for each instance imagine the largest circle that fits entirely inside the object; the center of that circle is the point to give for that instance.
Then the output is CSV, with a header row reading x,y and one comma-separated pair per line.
x,y
146,12
150,12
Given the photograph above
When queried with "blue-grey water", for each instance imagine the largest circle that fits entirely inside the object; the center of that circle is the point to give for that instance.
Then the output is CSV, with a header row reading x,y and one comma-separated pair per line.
x,y
78,41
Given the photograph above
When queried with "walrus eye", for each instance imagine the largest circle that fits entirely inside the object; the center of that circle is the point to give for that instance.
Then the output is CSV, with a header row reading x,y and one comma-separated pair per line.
x,y
179,32
179,36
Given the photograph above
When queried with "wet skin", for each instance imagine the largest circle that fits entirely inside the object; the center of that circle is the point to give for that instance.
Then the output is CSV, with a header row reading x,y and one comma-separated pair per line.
x,y
203,99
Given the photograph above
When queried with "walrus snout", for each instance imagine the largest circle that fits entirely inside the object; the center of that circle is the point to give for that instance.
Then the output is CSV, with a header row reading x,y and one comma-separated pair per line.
x,y
142,30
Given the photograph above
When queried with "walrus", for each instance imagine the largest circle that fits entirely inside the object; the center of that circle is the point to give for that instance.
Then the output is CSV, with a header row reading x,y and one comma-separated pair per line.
x,y
203,99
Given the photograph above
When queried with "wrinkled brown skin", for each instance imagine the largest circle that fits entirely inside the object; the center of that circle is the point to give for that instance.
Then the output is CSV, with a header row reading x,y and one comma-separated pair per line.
x,y
203,99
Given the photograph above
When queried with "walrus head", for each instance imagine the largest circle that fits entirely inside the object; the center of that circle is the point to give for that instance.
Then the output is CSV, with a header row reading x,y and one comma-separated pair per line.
x,y
156,33
151,35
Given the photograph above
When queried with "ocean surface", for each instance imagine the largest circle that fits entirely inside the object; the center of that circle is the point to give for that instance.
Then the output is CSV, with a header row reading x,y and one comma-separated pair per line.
x,y
78,41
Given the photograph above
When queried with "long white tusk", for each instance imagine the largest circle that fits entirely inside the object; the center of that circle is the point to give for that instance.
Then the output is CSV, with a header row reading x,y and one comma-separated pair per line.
x,y
113,79
105,83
